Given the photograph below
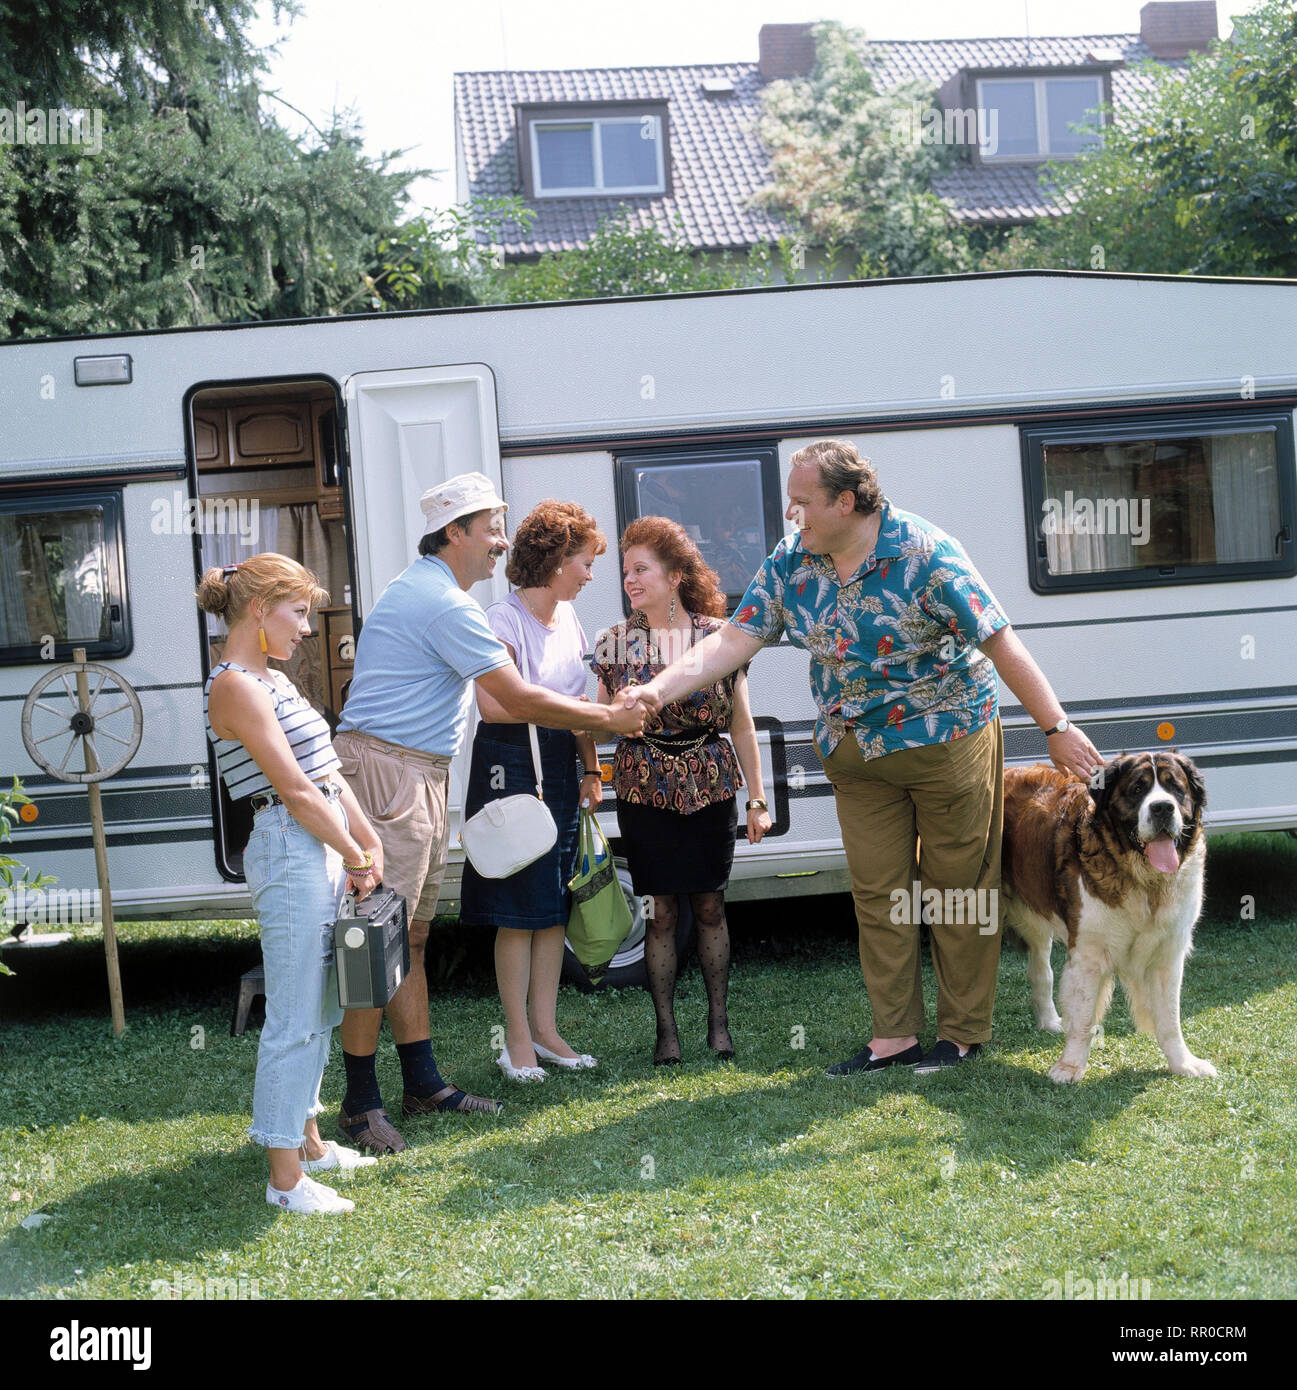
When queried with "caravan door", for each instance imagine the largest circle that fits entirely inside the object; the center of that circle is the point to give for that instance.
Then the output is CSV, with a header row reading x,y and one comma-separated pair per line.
x,y
409,430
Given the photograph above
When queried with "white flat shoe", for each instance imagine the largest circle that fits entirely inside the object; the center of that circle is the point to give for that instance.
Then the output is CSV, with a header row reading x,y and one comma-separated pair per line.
x,y
582,1063
518,1073
337,1156
307,1198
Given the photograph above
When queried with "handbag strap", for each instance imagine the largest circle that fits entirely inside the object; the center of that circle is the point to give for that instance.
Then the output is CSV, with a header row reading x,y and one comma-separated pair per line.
x,y
531,728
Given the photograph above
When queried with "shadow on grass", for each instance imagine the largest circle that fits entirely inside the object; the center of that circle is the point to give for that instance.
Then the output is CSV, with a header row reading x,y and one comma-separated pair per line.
x,y
766,1131
213,1202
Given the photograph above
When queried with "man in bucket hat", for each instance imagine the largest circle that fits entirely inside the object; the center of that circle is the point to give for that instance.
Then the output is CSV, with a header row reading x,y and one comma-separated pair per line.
x,y
422,647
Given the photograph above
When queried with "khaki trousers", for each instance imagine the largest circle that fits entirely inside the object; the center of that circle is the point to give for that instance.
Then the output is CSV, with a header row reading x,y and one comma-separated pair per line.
x,y
919,819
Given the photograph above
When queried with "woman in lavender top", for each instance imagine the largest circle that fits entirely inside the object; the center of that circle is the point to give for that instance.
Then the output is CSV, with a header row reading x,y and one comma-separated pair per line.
x,y
553,554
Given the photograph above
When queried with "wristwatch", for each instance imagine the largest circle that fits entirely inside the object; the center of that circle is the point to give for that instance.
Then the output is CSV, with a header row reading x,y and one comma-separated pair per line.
x,y
1061,727
758,803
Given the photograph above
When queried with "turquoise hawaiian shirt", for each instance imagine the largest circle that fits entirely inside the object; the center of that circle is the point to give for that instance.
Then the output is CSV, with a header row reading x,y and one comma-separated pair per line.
x,y
894,652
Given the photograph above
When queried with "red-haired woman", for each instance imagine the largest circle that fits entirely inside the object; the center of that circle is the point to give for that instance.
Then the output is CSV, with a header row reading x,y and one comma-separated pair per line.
x,y
677,785
553,554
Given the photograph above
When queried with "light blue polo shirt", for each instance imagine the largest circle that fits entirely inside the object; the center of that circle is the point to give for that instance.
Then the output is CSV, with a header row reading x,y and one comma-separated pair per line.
x,y
418,653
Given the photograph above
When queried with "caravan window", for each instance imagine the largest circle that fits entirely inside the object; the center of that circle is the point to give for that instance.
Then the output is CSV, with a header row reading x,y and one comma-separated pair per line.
x,y
1159,501
62,580
728,501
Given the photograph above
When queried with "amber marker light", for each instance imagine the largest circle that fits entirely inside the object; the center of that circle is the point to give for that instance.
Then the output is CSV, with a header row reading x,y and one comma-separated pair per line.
x,y
28,812
1166,732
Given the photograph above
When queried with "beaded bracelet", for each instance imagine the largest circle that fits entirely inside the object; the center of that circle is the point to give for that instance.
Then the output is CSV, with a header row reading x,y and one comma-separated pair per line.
x,y
360,868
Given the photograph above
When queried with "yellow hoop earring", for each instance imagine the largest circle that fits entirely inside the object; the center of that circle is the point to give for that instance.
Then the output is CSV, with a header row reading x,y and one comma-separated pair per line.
x,y
261,636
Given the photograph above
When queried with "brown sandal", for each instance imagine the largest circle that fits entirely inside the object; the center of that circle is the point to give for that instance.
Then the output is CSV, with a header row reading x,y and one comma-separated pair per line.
x,y
449,1099
377,1136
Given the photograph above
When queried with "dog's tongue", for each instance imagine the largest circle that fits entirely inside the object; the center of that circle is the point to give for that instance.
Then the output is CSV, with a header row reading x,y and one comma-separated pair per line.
x,y
1161,854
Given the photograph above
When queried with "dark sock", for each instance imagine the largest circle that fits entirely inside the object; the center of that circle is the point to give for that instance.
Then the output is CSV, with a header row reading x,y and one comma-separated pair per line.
x,y
419,1069
362,1085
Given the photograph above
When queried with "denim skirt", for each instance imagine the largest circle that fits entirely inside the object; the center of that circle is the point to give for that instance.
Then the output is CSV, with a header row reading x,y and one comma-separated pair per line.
x,y
536,896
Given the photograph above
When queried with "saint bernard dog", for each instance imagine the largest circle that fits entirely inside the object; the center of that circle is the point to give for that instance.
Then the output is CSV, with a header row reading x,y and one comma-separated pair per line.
x,y
1116,874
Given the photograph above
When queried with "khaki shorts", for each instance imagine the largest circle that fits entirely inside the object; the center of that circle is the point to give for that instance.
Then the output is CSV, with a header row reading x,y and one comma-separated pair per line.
x,y
403,793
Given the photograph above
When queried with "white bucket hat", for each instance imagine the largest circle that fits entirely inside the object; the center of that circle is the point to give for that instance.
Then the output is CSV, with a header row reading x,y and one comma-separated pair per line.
x,y
458,496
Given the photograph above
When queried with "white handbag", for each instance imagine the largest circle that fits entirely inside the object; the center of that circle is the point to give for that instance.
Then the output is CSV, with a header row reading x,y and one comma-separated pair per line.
x,y
508,834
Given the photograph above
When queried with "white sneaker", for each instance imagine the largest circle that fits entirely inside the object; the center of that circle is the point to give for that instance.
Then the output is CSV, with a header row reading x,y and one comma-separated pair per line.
x,y
336,1156
308,1197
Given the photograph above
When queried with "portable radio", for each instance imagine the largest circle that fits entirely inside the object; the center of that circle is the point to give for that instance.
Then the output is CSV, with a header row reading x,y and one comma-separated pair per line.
x,y
371,941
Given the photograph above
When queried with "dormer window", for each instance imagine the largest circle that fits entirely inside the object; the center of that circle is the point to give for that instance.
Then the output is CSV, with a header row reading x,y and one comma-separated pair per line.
x,y
584,151
1030,117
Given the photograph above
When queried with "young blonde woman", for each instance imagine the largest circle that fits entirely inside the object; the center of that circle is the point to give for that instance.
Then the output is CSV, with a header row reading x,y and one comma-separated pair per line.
x,y
310,842
554,550
677,784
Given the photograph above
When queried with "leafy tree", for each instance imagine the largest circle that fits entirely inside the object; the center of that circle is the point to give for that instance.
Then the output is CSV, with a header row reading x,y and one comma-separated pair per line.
x,y
1200,178
199,207
619,259
434,261
847,168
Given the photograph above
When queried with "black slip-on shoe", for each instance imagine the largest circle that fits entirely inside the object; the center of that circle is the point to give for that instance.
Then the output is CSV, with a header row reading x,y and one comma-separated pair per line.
x,y
945,1054
864,1060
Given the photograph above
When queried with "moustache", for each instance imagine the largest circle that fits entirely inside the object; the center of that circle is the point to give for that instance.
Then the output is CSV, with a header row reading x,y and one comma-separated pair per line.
x,y
496,551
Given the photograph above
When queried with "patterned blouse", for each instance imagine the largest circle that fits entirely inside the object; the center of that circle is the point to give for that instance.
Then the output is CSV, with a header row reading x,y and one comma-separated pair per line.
x,y
648,772
894,651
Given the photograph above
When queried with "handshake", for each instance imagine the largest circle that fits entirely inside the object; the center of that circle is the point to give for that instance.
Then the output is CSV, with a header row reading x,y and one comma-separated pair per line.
x,y
630,708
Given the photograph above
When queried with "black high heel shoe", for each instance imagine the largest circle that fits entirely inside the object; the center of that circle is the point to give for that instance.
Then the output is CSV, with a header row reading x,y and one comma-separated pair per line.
x,y
658,1059
722,1054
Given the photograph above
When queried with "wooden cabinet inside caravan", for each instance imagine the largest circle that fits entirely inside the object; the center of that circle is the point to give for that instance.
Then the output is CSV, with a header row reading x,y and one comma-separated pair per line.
x,y
328,478
270,433
274,434
338,645
211,449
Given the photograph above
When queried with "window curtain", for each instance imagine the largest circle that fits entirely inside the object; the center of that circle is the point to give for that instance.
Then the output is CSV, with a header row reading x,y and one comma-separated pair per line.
x,y
1093,474
83,576
322,547
227,548
14,631
1244,495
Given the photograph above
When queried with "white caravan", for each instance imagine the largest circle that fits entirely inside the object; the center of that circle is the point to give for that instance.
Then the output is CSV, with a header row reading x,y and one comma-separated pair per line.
x,y
1115,452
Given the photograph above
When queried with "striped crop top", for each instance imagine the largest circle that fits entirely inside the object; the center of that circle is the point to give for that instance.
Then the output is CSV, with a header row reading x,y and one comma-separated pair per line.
x,y
305,730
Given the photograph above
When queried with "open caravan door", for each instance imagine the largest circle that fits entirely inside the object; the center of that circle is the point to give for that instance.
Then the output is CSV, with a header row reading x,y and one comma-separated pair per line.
x,y
409,430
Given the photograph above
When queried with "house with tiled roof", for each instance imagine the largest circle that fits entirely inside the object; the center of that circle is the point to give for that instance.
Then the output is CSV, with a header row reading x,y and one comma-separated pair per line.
x,y
677,147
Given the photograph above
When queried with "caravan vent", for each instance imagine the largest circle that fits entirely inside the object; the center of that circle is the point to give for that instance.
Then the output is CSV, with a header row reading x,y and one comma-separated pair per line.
x,y
718,87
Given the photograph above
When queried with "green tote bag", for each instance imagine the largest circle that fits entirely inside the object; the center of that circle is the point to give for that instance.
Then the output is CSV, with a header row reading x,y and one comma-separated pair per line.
x,y
600,919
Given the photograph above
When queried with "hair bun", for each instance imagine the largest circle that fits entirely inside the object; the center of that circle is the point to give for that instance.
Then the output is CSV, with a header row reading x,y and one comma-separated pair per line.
x,y
213,592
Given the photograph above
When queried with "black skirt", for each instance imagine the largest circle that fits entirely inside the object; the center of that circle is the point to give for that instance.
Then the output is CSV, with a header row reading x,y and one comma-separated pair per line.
x,y
670,853
537,896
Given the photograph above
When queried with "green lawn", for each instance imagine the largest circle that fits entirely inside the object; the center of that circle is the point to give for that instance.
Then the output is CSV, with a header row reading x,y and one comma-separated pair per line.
x,y
761,1179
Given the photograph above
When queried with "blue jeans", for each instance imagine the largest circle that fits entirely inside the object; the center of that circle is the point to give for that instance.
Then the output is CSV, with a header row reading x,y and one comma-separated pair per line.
x,y
297,883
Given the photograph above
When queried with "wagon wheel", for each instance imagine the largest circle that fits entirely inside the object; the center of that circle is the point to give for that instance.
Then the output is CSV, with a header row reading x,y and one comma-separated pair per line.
x,y
65,719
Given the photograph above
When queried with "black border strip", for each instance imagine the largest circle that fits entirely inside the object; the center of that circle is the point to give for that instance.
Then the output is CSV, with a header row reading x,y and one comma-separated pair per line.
x,y
801,427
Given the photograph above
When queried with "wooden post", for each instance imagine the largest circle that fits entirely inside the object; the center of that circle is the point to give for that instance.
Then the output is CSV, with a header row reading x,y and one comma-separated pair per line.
x,y
101,861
